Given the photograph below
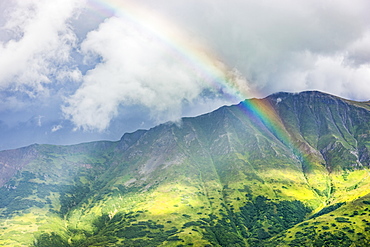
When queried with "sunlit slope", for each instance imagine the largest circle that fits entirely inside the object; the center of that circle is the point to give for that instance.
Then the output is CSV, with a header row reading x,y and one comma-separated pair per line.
x,y
220,179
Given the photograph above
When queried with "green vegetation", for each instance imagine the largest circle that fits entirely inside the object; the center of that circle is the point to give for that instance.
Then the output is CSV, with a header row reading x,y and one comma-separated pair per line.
x,y
226,178
328,209
120,230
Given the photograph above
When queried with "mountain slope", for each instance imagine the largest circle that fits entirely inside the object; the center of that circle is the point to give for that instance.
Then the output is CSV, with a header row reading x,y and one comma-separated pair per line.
x,y
227,178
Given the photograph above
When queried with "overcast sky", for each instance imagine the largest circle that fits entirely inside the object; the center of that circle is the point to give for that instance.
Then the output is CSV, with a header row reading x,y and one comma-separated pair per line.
x,y
74,70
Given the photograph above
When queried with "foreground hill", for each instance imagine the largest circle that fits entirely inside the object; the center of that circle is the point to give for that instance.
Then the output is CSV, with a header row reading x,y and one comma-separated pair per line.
x,y
297,176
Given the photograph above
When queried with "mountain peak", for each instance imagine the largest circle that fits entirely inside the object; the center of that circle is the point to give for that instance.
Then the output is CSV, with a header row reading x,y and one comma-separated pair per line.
x,y
303,94
215,180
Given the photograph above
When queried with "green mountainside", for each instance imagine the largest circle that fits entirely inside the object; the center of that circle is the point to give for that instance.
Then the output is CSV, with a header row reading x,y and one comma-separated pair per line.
x,y
221,179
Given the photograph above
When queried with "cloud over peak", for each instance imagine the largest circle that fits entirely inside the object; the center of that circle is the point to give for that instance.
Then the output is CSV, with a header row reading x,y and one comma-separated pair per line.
x,y
135,69
98,58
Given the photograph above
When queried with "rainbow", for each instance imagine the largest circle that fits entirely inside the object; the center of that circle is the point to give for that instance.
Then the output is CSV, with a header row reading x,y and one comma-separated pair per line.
x,y
200,59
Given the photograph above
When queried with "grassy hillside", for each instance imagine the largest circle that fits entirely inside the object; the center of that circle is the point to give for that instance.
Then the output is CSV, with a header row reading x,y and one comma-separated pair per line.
x,y
220,179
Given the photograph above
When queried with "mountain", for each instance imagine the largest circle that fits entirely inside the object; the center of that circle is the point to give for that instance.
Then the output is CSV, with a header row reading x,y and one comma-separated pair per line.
x,y
286,170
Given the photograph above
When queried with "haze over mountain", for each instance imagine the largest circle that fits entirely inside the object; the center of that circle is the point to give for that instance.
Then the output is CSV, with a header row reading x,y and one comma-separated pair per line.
x,y
226,178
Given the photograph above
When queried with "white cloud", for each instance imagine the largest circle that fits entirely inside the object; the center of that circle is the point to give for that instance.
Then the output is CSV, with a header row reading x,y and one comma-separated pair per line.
x,y
331,74
39,122
359,51
39,44
270,42
334,75
136,68
278,46
56,128
10,102
282,45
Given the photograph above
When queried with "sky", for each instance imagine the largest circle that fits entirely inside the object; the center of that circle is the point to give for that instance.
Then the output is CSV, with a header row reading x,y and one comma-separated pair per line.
x,y
75,71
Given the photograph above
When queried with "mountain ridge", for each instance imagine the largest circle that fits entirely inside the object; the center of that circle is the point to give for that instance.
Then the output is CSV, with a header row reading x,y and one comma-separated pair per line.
x,y
225,178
